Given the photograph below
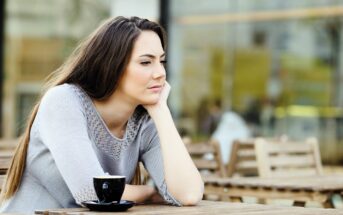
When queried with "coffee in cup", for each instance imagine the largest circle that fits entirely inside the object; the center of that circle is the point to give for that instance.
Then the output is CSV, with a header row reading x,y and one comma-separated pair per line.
x,y
109,188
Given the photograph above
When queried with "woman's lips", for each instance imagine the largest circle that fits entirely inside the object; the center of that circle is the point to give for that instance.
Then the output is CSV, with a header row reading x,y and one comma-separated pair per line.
x,y
156,88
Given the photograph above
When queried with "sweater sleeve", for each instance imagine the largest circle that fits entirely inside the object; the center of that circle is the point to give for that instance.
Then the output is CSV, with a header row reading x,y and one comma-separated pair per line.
x,y
152,160
63,129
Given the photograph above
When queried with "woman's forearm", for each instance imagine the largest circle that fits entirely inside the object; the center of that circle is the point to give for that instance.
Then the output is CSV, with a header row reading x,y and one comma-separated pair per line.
x,y
182,177
138,193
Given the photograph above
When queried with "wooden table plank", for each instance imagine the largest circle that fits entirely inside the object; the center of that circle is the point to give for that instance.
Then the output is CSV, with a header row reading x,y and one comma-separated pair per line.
x,y
301,189
208,207
315,183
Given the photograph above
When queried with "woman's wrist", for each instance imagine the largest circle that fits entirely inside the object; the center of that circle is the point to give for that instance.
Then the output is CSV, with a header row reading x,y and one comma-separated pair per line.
x,y
159,111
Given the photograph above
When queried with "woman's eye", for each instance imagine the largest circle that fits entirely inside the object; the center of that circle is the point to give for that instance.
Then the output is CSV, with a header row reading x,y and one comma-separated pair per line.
x,y
164,62
145,62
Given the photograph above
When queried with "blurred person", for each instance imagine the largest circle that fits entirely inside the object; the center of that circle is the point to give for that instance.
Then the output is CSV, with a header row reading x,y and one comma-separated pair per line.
x,y
231,127
252,116
209,114
104,110
201,115
267,117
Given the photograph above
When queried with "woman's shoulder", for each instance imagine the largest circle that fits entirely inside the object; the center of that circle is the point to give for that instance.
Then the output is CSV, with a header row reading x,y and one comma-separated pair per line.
x,y
64,94
61,90
148,125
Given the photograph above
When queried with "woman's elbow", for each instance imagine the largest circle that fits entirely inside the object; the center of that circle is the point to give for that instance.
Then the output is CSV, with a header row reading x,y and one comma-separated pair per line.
x,y
191,196
191,199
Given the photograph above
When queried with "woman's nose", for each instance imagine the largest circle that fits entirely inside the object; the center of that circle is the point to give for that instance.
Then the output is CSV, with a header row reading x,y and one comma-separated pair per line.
x,y
159,72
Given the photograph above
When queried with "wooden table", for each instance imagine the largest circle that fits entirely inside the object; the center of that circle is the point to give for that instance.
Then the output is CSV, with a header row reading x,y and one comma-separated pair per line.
x,y
300,190
205,207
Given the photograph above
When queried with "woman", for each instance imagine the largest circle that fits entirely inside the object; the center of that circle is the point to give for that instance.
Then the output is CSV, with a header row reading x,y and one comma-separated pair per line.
x,y
105,110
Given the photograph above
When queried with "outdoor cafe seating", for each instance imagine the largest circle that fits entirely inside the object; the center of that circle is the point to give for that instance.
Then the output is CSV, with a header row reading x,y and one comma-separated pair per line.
x,y
280,170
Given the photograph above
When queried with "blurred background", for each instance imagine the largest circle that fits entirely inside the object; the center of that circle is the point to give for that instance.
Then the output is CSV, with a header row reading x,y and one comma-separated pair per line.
x,y
271,67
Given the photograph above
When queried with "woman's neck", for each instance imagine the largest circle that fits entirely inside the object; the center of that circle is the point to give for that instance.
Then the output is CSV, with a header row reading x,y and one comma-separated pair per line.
x,y
115,113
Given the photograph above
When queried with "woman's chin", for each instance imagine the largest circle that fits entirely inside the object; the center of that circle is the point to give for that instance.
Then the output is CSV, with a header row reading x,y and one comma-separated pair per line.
x,y
150,101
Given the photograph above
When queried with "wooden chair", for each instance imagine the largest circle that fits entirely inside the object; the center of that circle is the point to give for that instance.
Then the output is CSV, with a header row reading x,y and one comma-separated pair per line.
x,y
207,158
288,159
242,160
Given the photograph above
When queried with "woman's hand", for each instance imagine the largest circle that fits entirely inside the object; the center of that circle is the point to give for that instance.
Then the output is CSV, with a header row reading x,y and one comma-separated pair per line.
x,y
165,93
162,102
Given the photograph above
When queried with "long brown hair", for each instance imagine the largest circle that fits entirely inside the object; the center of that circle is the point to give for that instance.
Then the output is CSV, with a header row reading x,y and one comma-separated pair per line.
x,y
96,65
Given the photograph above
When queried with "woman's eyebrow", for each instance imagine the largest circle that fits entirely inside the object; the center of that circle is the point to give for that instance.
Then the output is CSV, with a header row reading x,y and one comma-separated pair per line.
x,y
151,55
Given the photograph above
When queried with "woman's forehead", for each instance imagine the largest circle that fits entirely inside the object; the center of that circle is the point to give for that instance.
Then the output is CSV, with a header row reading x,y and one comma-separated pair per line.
x,y
148,42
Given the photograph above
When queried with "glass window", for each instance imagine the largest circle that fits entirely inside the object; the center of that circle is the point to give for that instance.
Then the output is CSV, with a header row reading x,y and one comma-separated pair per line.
x,y
39,35
277,64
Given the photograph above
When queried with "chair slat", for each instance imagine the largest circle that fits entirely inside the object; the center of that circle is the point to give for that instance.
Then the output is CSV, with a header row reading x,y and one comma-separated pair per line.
x,y
247,165
289,148
306,160
247,153
205,164
200,149
298,172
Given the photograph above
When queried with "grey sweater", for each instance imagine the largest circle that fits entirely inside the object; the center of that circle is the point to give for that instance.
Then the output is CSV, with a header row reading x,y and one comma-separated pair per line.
x,y
70,143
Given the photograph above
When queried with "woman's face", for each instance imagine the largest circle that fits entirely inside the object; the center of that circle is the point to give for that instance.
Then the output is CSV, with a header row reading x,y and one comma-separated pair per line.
x,y
145,74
